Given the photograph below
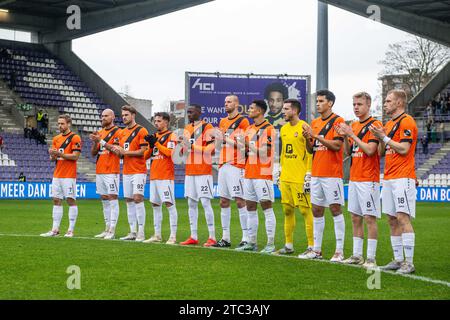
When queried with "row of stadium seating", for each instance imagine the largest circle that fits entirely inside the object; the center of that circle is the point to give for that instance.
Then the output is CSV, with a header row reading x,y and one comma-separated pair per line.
x,y
434,183
43,80
24,155
442,167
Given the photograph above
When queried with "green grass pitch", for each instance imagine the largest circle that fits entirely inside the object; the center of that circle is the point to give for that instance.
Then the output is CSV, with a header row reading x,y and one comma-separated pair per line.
x,y
32,267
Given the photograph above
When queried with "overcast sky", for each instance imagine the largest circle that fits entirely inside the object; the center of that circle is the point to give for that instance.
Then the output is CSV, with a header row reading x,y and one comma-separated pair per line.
x,y
239,36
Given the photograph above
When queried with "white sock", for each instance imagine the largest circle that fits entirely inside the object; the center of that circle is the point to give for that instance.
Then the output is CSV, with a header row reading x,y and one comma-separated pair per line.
x,y
157,220
114,213
209,216
131,212
107,213
243,218
289,246
57,216
397,247
358,246
271,225
73,214
371,248
140,215
252,224
193,217
408,246
339,230
319,225
225,215
173,218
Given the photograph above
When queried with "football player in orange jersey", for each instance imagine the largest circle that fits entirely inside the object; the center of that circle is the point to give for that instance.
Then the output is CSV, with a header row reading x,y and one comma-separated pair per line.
x,y
65,150
231,170
364,186
132,148
259,141
107,171
398,145
197,141
162,176
327,187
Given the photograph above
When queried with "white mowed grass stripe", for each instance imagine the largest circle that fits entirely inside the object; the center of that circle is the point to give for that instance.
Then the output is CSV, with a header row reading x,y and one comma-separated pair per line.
x,y
410,276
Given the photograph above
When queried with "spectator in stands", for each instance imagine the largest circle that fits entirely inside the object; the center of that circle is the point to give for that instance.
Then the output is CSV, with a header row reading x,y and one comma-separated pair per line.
x,y
442,131
39,118
40,138
45,124
27,132
447,106
22,177
433,132
35,134
4,54
429,124
1,143
12,81
429,111
424,142
438,110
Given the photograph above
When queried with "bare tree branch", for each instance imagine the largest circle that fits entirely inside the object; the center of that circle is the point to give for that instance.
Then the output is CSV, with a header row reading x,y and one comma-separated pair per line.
x,y
418,58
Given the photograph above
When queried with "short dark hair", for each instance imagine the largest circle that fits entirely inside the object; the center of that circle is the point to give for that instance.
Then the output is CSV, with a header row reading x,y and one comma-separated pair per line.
x,y
129,109
328,94
163,115
260,104
196,106
66,117
278,87
294,104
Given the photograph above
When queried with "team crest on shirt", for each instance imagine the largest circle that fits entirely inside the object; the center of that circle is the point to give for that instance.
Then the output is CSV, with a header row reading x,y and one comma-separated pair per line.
x,y
296,134
407,132
233,126
327,127
77,145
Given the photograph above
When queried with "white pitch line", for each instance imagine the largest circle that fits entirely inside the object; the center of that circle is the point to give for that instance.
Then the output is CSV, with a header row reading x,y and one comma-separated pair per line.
x,y
410,276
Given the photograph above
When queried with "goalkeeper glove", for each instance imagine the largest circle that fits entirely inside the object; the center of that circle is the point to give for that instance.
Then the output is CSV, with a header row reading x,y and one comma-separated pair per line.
x,y
307,183
151,139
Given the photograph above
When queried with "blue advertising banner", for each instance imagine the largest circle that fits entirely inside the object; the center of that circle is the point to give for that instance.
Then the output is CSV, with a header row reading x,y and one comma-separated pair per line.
x,y
42,190
210,90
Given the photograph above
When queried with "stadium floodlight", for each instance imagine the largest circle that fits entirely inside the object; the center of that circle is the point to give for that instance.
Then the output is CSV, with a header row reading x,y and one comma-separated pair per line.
x,y
4,10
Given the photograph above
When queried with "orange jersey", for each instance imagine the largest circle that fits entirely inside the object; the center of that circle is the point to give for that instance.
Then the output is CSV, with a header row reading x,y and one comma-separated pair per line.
x,y
327,163
162,167
259,165
108,162
66,144
230,129
363,167
401,129
199,161
133,140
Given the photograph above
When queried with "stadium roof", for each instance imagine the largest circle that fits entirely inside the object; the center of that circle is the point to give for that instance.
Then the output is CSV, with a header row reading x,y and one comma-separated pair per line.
x,y
426,18
48,17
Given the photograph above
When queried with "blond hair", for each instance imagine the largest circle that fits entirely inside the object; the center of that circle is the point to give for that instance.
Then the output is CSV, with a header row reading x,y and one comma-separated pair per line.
x,y
363,94
399,95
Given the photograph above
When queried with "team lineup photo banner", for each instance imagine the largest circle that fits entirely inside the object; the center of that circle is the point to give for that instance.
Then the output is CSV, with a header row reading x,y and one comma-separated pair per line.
x,y
210,90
